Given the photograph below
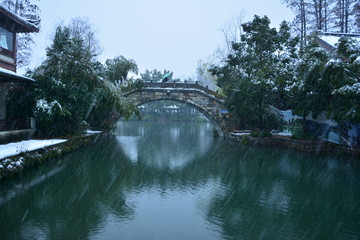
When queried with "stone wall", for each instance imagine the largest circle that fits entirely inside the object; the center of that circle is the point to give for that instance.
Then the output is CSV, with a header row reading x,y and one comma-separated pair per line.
x,y
14,165
313,146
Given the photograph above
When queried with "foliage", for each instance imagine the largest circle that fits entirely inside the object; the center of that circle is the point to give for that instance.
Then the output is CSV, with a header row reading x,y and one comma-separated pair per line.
x,y
328,83
132,85
109,106
298,132
259,133
254,76
156,76
153,75
70,94
117,69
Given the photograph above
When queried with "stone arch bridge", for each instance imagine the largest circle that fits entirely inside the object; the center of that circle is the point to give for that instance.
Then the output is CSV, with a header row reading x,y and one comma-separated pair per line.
x,y
195,95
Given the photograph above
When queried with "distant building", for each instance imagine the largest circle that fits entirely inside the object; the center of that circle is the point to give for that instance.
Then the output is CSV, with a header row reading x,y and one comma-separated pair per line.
x,y
328,40
10,25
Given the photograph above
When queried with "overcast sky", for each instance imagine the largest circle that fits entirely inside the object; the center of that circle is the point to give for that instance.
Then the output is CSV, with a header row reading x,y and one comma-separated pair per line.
x,y
161,34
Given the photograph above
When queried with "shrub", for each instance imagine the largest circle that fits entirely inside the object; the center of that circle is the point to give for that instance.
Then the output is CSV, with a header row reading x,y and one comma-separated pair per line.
x,y
297,130
259,133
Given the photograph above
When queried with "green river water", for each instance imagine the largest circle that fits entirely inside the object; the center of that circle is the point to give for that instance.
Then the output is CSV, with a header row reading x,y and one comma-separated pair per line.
x,y
176,181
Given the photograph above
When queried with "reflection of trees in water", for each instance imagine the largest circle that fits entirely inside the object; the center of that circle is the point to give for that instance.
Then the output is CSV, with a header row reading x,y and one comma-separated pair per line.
x,y
72,204
262,192
274,196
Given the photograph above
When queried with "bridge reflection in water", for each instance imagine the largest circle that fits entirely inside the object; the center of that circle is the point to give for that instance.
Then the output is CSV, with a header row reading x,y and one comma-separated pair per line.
x,y
172,149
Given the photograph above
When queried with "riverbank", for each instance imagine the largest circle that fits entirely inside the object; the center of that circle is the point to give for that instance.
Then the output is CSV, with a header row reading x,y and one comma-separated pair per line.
x,y
313,146
15,164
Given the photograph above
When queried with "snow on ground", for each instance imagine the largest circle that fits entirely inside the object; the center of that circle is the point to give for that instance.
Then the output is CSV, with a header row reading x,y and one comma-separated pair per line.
x,y
240,134
93,132
284,133
11,149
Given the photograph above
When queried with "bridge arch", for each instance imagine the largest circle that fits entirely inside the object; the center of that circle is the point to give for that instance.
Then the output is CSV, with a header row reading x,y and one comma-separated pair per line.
x,y
194,95
216,125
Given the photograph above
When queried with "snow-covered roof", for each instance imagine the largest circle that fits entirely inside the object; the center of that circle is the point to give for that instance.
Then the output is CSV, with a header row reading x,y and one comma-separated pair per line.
x,y
8,76
15,22
330,39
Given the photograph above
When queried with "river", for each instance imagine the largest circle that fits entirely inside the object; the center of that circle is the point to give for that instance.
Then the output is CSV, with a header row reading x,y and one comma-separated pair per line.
x,y
176,181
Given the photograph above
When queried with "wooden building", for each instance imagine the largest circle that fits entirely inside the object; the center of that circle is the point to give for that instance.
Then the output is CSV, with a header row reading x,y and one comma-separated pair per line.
x,y
10,25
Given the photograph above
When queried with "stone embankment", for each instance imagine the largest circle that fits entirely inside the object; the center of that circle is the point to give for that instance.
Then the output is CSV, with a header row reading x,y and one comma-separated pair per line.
x,y
313,146
14,165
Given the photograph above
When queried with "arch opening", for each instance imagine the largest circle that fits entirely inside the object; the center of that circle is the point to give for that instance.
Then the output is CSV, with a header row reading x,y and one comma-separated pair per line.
x,y
171,106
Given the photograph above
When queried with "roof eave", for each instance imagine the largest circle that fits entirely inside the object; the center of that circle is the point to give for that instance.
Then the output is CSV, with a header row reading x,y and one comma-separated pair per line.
x,y
13,77
20,25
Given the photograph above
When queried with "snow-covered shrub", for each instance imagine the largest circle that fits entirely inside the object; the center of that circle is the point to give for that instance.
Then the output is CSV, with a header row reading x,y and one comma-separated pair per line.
x,y
51,117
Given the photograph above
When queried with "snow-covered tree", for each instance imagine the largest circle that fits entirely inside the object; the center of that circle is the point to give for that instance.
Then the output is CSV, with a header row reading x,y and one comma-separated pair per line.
x,y
329,83
71,92
254,77
118,68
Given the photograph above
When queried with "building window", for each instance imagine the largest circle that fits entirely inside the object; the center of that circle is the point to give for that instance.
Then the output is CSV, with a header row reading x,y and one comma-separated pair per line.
x,y
6,40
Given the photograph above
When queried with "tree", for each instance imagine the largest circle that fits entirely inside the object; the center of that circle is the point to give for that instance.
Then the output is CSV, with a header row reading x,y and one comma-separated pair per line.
x,y
153,75
203,75
231,32
31,12
156,76
117,69
324,15
301,12
81,28
328,83
250,77
66,84
345,12
356,13
346,106
71,93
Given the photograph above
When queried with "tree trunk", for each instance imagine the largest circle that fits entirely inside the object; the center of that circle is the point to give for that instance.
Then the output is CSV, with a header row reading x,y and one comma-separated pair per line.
x,y
346,15
303,13
325,15
320,15
342,13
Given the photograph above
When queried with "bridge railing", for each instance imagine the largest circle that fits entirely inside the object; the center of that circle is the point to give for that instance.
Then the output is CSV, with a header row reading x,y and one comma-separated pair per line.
x,y
186,85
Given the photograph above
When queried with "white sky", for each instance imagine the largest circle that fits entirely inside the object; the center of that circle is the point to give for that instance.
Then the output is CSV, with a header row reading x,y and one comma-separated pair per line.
x,y
161,34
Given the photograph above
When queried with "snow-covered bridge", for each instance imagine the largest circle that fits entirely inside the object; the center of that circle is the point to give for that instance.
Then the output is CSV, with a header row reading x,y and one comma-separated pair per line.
x,y
195,95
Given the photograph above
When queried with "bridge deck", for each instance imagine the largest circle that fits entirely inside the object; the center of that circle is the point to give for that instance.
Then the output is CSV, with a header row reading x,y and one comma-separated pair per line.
x,y
182,85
